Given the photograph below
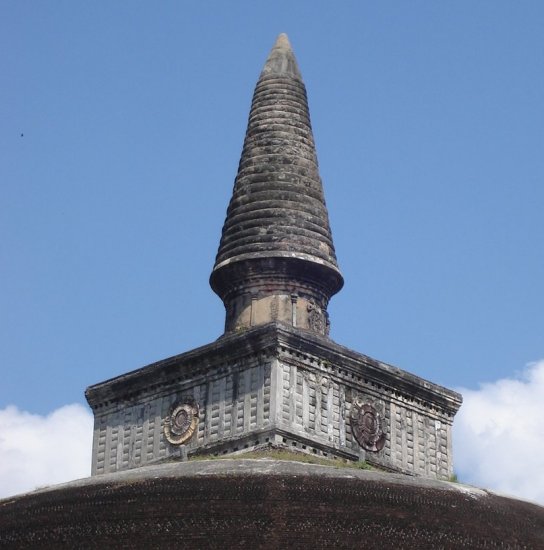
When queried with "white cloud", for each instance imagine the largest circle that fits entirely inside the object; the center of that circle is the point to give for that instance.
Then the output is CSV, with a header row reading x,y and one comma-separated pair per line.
x,y
499,435
43,450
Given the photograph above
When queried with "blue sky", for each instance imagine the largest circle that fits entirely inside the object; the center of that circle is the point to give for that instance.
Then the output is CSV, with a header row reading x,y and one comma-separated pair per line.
x,y
121,126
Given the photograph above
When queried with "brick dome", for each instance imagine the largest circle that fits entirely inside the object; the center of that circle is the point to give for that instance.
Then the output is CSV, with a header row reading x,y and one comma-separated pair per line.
x,y
266,504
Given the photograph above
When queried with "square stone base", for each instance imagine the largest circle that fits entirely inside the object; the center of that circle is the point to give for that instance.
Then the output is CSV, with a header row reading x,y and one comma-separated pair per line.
x,y
274,385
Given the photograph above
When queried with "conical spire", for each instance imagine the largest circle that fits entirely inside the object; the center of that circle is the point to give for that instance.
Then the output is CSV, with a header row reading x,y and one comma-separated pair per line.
x,y
277,228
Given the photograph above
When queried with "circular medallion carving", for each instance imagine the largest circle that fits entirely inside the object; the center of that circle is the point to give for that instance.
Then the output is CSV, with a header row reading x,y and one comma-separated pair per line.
x,y
181,423
366,425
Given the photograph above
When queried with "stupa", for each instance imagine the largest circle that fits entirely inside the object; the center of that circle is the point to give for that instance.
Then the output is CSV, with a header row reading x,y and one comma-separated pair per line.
x,y
275,377
274,381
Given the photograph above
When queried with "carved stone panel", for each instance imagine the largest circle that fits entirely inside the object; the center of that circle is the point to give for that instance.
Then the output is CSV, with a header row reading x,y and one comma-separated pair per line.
x,y
181,423
316,318
366,425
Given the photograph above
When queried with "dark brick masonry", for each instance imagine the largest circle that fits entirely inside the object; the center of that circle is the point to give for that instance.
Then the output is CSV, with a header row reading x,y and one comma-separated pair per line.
x,y
266,504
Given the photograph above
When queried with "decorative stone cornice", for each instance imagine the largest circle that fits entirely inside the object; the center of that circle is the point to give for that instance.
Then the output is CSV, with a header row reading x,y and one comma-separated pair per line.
x,y
287,343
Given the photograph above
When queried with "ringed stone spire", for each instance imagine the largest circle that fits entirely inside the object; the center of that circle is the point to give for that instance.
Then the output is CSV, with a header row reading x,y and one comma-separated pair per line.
x,y
276,259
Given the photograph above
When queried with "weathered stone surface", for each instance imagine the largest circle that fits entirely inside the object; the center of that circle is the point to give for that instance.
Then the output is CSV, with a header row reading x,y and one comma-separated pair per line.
x,y
266,504
275,385
276,240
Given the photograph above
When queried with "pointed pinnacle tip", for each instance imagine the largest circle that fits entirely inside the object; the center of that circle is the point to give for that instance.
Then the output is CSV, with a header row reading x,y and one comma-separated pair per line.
x,y
281,60
282,41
